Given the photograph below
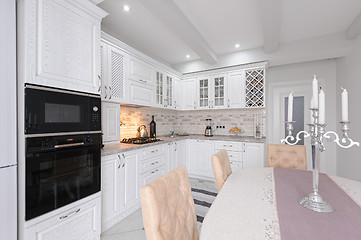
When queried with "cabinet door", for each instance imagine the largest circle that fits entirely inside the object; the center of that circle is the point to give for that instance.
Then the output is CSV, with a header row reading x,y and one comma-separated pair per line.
x,y
114,87
61,46
159,85
152,175
140,94
236,90
110,121
203,92
180,153
189,94
199,154
219,91
170,157
140,71
254,155
103,78
112,189
130,179
168,100
177,94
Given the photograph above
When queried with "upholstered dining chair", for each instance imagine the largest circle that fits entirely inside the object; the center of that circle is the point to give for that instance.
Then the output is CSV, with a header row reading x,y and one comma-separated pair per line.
x,y
168,207
221,168
286,156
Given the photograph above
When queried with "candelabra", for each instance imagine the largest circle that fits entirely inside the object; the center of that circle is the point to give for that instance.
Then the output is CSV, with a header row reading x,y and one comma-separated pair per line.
x,y
317,132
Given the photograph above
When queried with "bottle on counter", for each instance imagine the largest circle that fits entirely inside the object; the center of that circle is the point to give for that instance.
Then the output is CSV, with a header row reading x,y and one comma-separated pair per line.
x,y
153,132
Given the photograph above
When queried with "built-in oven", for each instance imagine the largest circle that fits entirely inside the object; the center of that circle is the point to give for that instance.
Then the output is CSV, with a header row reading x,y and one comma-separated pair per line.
x,y
52,110
60,170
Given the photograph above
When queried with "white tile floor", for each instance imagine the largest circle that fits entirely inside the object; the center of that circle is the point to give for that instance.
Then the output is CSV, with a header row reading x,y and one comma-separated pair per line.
x,y
131,228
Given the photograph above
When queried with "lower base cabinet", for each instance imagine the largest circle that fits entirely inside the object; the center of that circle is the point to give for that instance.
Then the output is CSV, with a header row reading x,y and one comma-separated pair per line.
x,y
199,153
80,222
253,155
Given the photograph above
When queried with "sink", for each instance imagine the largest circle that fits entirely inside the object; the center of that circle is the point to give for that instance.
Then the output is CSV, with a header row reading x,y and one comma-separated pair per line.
x,y
182,134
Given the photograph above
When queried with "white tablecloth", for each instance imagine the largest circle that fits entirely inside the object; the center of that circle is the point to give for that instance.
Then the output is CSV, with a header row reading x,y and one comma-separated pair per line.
x,y
245,208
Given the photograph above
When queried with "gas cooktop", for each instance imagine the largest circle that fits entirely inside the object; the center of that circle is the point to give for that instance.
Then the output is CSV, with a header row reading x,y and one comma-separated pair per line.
x,y
140,140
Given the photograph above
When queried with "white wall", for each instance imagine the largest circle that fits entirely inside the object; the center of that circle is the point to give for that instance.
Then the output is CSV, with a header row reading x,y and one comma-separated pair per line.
x,y
349,77
324,69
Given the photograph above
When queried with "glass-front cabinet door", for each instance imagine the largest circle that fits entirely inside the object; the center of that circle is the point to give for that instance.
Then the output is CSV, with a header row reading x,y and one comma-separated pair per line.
x,y
203,91
169,92
219,91
159,88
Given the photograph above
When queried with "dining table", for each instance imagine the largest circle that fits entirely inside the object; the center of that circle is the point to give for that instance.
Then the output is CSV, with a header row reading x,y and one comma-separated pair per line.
x,y
262,203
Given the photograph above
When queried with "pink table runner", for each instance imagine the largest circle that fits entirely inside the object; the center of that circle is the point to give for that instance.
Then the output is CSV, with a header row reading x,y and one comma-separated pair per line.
x,y
297,222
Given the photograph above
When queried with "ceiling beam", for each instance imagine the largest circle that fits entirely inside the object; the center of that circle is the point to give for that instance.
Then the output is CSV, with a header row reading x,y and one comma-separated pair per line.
x,y
171,16
271,12
354,30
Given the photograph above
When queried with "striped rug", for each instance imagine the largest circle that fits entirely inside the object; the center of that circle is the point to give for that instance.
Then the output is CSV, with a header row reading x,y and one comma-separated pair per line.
x,y
203,198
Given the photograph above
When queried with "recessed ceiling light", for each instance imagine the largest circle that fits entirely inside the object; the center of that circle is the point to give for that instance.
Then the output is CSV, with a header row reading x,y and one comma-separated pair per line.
x,y
126,8
187,56
237,45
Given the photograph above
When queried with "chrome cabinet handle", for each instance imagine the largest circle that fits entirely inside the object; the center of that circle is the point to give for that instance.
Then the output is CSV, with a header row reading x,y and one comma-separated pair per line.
x,y
123,165
141,80
76,211
229,103
154,171
194,104
175,104
119,161
123,155
154,151
100,83
106,92
154,163
110,92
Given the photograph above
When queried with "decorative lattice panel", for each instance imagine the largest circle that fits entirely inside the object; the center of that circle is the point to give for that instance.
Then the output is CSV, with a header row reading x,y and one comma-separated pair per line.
x,y
255,88
117,64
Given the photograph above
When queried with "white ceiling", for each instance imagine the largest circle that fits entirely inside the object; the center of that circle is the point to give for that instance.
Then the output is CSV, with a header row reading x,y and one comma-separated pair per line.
x,y
206,29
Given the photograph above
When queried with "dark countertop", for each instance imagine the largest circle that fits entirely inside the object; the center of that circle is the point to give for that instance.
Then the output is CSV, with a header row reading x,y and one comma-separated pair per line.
x,y
110,149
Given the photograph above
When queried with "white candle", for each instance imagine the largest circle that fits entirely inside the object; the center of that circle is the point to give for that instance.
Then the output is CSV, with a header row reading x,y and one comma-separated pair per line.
x,y
322,107
344,95
315,92
311,118
290,107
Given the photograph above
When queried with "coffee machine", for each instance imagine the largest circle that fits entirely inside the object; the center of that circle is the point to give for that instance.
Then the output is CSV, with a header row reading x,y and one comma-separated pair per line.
x,y
208,132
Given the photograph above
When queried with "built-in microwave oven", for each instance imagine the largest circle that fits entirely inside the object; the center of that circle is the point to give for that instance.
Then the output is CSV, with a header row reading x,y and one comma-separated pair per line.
x,y
54,111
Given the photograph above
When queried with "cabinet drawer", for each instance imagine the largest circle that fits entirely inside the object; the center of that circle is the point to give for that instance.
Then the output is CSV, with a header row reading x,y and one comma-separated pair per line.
x,y
236,166
140,71
150,164
152,152
229,146
234,156
82,222
151,175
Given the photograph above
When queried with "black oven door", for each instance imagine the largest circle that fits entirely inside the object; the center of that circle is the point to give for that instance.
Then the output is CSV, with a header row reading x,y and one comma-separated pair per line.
x,y
57,178
56,111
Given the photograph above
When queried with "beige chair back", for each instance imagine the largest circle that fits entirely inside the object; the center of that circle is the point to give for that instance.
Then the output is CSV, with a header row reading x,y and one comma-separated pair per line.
x,y
221,168
168,207
285,156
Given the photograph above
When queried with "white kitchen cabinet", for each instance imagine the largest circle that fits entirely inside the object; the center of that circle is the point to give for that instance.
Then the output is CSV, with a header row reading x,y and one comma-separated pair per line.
x,y
120,191
129,180
152,175
170,156
111,122
180,148
113,73
140,71
140,93
59,44
169,91
203,92
236,90
219,91
159,86
235,152
253,155
79,222
189,94
177,94
199,153
112,189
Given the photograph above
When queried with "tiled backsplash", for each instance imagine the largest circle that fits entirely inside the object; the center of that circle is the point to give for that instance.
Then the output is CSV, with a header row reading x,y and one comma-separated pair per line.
x,y
191,122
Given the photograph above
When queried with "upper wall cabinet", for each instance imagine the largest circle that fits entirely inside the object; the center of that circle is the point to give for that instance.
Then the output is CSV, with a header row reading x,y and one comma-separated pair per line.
x,y
114,71
212,92
59,43
189,101
236,90
140,71
255,88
